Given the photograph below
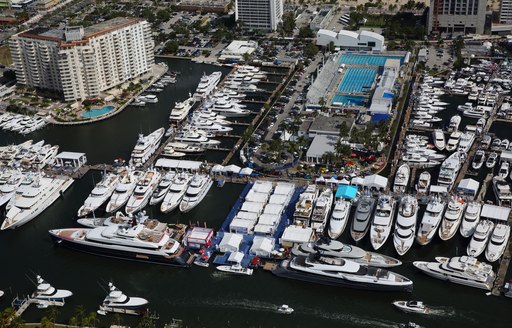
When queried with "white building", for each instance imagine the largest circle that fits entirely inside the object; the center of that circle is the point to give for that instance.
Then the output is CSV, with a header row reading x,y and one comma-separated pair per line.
x,y
236,50
349,40
382,100
457,16
506,12
259,14
83,62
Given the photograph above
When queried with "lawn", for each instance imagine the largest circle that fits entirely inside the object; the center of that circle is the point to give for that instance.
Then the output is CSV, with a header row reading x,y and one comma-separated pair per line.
x,y
5,56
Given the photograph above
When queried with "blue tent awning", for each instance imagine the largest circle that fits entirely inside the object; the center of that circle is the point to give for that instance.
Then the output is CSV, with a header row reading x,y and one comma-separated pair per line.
x,y
380,117
347,192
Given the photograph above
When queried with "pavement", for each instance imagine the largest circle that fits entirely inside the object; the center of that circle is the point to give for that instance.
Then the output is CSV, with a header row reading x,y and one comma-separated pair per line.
x,y
433,60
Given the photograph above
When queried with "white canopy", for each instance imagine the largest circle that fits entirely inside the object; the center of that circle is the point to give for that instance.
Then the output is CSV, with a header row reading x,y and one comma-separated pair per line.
x,y
262,246
320,179
178,164
232,168
253,207
217,168
236,257
230,242
438,189
263,229
246,171
284,188
357,181
254,196
269,219
247,215
375,181
345,181
332,180
276,209
495,212
296,235
468,186
278,199
262,186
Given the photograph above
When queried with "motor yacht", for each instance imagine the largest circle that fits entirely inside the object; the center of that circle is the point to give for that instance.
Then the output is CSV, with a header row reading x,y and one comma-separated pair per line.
x,y
430,220
454,123
412,307
362,217
453,141
206,85
382,222
405,227
449,170
116,301
402,178
339,218
123,190
9,187
285,309
423,182
304,206
169,151
498,242
478,159
196,191
186,148
439,140
162,189
210,126
194,137
470,219
502,191
480,238
143,191
145,147
100,194
46,292
496,144
452,218
491,160
503,172
486,142
466,141
322,210
176,192
181,110
235,269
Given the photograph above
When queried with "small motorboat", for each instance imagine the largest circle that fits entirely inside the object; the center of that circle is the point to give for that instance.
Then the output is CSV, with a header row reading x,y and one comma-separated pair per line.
x,y
409,325
236,269
412,306
285,309
491,160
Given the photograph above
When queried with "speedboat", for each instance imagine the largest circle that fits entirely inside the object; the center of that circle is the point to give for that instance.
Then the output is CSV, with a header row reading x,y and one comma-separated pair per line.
x,y
470,219
46,292
423,182
453,141
430,221
143,191
196,191
480,238
401,178
285,309
116,300
502,191
322,210
176,192
405,227
452,219
124,189
362,217
439,140
236,269
496,144
380,228
163,187
99,194
498,242
412,307
491,160
504,170
339,218
504,144
478,159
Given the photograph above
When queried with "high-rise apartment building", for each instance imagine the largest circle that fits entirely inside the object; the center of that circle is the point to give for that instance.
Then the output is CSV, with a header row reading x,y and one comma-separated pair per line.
x,y
457,16
83,62
506,12
259,14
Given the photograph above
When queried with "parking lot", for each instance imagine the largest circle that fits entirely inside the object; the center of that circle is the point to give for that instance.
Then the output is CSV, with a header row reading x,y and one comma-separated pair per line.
x,y
439,58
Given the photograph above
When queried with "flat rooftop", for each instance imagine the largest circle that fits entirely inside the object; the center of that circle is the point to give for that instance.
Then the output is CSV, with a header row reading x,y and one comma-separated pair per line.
x,y
328,124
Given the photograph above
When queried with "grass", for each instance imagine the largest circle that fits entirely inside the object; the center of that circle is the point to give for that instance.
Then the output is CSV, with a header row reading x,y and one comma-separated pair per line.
x,y
5,56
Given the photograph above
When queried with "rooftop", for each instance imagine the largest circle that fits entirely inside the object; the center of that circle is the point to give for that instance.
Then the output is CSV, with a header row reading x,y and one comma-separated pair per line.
x,y
327,124
322,144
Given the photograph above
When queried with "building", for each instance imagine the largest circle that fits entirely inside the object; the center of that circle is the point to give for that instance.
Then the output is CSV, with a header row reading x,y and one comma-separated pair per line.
x,y
457,16
328,126
321,145
236,50
382,100
349,40
204,6
423,55
47,4
262,15
322,18
83,62
505,12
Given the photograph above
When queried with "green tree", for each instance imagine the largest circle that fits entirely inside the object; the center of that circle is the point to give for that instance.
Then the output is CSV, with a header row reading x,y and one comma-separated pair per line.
x,y
246,57
52,313
310,50
45,323
116,320
171,47
344,129
93,320
306,32
146,321
163,15
288,22
80,314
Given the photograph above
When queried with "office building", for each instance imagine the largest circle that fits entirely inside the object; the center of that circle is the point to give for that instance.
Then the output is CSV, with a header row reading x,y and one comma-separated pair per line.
x,y
457,16
262,15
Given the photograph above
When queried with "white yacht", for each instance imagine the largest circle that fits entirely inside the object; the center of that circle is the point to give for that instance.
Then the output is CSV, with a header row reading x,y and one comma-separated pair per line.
x,y
152,99
430,220
402,178
496,144
486,141
206,85
8,188
339,218
470,219
169,151
46,156
46,292
464,270
362,217
228,108
502,191
186,148
503,172
143,191
382,222
123,190
491,160
176,192
116,301
453,141
210,126
99,194
439,140
162,189
322,210
454,123
236,269
478,159
194,137
145,147
480,238
466,141
449,170
304,206
199,186
405,227
498,242
181,110
504,144
423,182
412,307
34,199
452,218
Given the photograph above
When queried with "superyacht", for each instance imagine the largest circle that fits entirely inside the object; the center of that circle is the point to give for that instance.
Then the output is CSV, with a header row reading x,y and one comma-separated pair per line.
x,y
181,110
143,191
322,210
100,194
430,220
162,189
206,85
176,192
339,218
401,178
382,222
405,227
449,170
498,242
480,238
470,219
123,190
199,186
362,217
304,206
452,219
145,147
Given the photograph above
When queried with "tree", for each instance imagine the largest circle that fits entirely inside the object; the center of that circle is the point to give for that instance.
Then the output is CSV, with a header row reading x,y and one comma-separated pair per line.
x,y
344,129
116,320
246,57
306,32
328,157
52,312
146,322
310,50
288,22
163,15
330,46
171,47
93,320
80,314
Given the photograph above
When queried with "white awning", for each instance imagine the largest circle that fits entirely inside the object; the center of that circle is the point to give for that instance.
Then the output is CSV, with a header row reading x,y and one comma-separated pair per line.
x,y
468,186
438,189
247,215
320,179
295,234
232,168
236,257
268,219
230,242
246,171
278,199
262,186
253,207
284,188
263,229
262,246
375,181
259,197
357,181
276,209
217,168
345,181
495,212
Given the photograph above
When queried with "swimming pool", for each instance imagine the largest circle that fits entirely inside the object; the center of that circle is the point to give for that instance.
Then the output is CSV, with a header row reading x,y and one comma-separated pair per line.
x,y
95,112
343,100
357,79
371,60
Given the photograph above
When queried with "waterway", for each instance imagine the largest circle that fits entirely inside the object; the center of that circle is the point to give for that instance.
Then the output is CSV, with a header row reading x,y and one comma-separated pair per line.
x,y
203,297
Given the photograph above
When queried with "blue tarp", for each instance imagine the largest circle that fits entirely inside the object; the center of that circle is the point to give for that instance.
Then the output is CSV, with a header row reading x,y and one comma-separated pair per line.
x,y
347,192
380,117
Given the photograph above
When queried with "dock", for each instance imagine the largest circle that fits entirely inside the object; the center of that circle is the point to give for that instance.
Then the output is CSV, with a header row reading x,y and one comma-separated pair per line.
x,y
502,271
20,305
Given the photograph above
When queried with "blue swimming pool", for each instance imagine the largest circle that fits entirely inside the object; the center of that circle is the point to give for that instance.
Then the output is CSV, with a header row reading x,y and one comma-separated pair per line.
x,y
342,100
95,112
357,79
371,60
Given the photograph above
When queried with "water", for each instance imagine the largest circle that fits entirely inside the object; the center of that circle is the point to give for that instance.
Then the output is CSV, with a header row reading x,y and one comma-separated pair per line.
x,y
357,79
348,100
203,297
371,60
95,112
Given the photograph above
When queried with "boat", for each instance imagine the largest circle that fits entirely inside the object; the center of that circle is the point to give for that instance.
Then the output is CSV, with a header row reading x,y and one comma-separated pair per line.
x,y
341,273
412,307
322,210
464,270
504,144
186,148
196,191
163,187
8,187
503,172
145,147
491,160
135,243
123,190
430,220
211,126
195,137
339,218
454,123
152,99
116,301
405,227
34,199
304,206
480,238
452,218
401,178
478,159
206,85
362,217
382,222
498,242
502,191
143,191
227,107
453,141
285,309
236,269
99,194
46,292
176,192
449,170
423,182
181,110
470,219
465,142
486,142
169,151
439,140
496,144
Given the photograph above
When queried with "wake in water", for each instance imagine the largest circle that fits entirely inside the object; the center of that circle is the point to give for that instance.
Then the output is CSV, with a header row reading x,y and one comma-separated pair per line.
x,y
442,311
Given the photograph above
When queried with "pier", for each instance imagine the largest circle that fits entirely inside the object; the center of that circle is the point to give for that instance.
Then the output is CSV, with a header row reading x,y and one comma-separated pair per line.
x,y
502,271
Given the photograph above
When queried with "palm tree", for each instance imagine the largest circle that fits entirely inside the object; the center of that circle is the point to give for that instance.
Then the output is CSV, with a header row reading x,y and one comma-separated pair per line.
x,y
52,314
93,319
80,314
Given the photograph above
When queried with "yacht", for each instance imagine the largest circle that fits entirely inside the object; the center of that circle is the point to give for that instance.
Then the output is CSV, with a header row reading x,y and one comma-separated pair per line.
x,y
152,99
430,221
380,228
136,243
304,206
34,199
475,112
486,141
480,238
362,217
341,272
412,307
8,188
145,147
46,156
454,123
176,192
100,194
46,292
116,301
496,144
228,108
439,140
464,270
452,218
504,170
143,191
453,141
181,110
423,182
502,191
210,126
498,242
491,160
402,178
449,170
405,227
285,309
236,269
199,186
194,137
123,190
322,210
478,159
186,148
206,85
169,151
162,189
470,219
466,141
504,144
339,218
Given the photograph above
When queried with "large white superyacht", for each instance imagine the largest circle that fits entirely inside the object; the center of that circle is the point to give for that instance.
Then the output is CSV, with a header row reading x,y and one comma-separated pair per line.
x,y
8,188
405,227
181,110
145,147
382,222
480,238
145,187
449,170
339,218
362,217
123,190
196,191
304,206
470,219
322,210
99,194
163,187
498,242
402,178
206,85
176,192
452,218
430,220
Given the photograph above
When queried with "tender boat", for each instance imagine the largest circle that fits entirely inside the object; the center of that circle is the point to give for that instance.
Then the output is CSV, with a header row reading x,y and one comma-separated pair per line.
x,y
504,144
236,269
401,178
423,182
439,139
470,220
430,221
480,238
176,192
405,227
285,309
412,307
382,221
339,218
478,159
46,292
362,217
491,160
196,191
498,242
100,194
116,301
452,219
143,191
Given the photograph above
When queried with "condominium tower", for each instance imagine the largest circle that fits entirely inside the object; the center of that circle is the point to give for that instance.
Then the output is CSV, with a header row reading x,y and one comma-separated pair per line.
x,y
506,12
457,16
83,62
259,14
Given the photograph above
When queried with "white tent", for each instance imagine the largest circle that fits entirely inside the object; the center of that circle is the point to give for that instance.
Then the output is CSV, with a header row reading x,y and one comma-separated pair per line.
x,y
331,180
246,171
217,168
269,219
357,181
232,169
495,212
236,257
264,229
254,196
254,207
247,215
296,235
468,187
345,181
262,246
375,181
284,188
262,186
279,199
230,242
276,209
242,226
320,179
